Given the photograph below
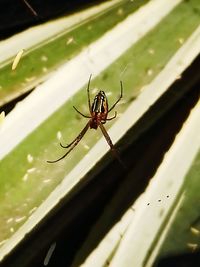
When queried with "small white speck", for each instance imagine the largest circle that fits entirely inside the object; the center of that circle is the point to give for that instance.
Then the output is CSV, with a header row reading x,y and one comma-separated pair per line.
x,y
1,87
44,58
181,40
30,158
19,219
195,231
70,40
31,170
149,72
89,27
44,69
151,51
59,135
9,220
25,177
86,146
30,79
47,181
32,210
49,254
12,230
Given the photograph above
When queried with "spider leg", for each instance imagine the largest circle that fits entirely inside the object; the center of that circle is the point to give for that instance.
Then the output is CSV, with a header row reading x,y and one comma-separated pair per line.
x,y
120,97
88,94
109,141
67,146
109,119
89,117
73,144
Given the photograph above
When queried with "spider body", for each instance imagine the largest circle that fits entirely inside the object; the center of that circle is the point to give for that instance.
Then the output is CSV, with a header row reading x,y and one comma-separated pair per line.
x,y
99,111
98,116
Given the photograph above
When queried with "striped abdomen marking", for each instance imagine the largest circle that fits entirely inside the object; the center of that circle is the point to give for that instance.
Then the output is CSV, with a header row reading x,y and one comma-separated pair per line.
x,y
100,104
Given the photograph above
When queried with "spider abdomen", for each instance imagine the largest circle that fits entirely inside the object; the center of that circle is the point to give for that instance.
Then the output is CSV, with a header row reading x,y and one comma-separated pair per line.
x,y
99,110
100,105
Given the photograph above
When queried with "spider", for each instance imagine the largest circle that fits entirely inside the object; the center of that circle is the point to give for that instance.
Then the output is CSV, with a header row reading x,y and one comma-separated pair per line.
x,y
98,116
